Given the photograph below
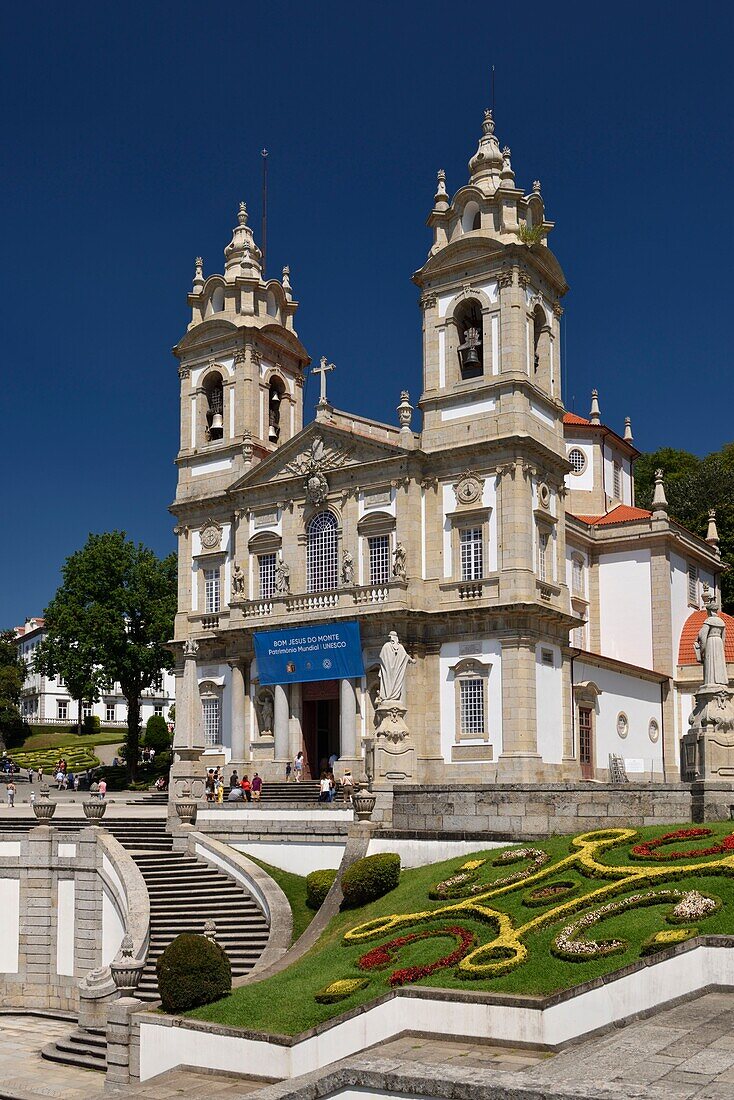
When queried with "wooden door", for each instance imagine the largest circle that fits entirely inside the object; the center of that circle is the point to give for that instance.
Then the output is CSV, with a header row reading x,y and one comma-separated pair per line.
x,y
586,742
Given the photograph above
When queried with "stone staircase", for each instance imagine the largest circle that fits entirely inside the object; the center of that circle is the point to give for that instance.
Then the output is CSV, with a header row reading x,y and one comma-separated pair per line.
x,y
84,1048
305,794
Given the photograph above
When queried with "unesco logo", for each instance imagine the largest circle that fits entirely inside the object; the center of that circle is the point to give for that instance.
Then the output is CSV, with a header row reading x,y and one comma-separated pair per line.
x,y
327,662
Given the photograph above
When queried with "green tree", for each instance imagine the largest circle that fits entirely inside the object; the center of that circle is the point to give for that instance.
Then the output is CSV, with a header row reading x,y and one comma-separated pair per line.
x,y
75,661
676,465
12,675
114,612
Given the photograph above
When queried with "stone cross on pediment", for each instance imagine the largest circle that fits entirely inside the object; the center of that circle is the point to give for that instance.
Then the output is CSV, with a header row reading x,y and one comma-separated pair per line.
x,y
322,371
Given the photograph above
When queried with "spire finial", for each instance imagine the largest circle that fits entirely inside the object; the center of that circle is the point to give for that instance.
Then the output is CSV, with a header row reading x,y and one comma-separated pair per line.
x,y
536,187
242,214
595,412
405,411
659,499
712,535
488,124
628,429
441,191
198,275
286,281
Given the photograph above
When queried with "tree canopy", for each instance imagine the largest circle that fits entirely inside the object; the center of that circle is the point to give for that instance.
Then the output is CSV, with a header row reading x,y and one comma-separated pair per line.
x,y
12,675
694,485
109,623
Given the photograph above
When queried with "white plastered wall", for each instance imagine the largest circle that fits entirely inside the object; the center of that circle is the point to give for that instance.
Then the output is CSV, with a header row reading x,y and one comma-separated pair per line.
x,y
549,703
489,652
625,606
584,480
639,700
489,501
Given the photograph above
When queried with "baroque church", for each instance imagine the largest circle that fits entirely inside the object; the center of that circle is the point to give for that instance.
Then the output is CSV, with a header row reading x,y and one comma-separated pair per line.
x,y
549,619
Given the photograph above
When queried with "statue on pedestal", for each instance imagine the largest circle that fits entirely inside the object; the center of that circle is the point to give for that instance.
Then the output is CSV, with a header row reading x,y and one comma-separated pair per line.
x,y
709,646
395,753
238,580
394,661
707,750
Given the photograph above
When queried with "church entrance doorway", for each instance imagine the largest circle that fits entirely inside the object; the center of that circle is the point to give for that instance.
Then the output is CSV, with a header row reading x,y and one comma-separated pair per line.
x,y
586,743
320,724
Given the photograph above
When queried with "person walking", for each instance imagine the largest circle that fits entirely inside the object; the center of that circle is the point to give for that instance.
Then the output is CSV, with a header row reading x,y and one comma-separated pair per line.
x,y
102,787
257,786
11,794
288,771
234,780
298,767
246,788
347,787
324,788
210,785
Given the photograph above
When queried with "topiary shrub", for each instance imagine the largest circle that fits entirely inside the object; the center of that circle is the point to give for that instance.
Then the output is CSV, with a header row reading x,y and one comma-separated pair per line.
x,y
156,733
370,878
192,971
91,723
318,884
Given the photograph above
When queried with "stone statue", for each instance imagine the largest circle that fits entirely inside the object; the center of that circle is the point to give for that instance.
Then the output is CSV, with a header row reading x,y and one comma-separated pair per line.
x,y
400,557
394,661
347,568
709,645
238,581
282,578
265,701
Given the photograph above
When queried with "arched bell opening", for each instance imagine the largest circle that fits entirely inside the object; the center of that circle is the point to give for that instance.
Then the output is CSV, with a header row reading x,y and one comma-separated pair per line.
x,y
214,393
471,344
276,390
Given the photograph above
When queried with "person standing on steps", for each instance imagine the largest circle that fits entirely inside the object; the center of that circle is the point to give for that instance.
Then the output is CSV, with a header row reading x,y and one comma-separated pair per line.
x,y
11,794
246,788
288,770
298,767
102,788
257,786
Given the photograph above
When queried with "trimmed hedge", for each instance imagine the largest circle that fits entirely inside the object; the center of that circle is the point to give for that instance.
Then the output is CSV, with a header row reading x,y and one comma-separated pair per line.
x,y
192,971
318,884
370,878
156,734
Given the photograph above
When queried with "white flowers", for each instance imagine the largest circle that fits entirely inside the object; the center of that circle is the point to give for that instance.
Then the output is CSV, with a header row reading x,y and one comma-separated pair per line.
x,y
694,906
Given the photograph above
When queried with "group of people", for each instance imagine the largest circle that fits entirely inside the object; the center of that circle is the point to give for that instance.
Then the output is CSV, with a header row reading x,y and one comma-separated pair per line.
x,y
328,786
240,790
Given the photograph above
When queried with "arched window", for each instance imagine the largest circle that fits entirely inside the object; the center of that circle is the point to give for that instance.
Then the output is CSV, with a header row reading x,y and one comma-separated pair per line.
x,y
275,397
218,300
539,323
471,218
471,348
214,392
322,553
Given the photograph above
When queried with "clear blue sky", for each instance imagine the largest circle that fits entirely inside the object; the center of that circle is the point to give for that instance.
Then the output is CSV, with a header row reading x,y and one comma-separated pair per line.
x,y
131,131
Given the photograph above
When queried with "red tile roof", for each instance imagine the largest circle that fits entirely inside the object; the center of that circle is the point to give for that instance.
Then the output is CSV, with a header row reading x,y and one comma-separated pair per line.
x,y
689,633
623,513
572,418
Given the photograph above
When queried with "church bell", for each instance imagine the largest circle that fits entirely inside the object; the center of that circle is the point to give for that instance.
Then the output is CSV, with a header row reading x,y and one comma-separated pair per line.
x,y
217,423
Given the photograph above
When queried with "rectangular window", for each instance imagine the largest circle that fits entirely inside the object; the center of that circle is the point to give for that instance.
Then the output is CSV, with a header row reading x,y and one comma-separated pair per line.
x,y
586,745
577,577
59,681
158,710
379,547
543,555
472,707
692,584
617,486
546,657
211,591
62,710
109,712
211,722
472,556
266,567
86,710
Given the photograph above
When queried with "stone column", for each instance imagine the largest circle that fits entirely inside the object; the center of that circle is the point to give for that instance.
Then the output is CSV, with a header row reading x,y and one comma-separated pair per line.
x,y
347,720
520,760
280,721
238,712
187,770
296,721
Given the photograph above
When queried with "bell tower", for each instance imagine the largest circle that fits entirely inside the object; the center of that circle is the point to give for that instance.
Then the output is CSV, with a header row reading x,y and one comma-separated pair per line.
x,y
241,367
490,295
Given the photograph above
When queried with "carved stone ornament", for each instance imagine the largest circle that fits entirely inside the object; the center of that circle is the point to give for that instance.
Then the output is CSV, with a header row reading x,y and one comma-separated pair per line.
x,y
190,648
523,278
504,279
468,488
183,372
544,495
557,309
319,457
211,535
428,300
317,488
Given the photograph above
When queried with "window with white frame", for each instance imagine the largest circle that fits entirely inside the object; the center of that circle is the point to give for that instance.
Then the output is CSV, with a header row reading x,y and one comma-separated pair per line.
x,y
210,709
577,459
543,555
62,710
109,712
617,481
158,710
86,710
578,637
472,553
577,575
471,695
379,548
266,567
212,602
322,553
692,584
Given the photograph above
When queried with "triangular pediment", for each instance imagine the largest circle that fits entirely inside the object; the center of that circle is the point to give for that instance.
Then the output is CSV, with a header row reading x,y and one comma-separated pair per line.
x,y
318,450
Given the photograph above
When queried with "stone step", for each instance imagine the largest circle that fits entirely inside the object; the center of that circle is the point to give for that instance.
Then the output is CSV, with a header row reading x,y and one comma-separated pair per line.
x,y
87,1049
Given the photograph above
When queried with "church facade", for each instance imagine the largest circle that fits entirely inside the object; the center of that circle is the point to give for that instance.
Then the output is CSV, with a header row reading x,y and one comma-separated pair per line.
x,y
548,618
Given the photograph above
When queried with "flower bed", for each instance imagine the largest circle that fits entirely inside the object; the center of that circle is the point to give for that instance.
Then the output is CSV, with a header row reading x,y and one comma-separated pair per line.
x,y
380,957
649,849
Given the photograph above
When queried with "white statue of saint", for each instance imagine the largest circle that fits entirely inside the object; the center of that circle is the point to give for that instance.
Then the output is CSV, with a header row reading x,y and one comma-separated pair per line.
x,y
394,661
710,646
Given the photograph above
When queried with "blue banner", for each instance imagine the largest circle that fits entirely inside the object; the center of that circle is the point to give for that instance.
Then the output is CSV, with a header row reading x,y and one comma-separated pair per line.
x,y
329,652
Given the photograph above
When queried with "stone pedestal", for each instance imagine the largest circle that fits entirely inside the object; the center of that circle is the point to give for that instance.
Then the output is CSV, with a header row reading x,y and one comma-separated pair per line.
x,y
188,772
394,751
707,750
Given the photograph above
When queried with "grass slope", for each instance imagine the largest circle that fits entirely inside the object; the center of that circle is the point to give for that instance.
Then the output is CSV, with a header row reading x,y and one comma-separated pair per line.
x,y
44,749
294,888
285,1003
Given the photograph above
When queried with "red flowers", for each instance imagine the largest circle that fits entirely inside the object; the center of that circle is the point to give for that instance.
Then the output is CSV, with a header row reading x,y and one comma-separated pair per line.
x,y
647,850
383,954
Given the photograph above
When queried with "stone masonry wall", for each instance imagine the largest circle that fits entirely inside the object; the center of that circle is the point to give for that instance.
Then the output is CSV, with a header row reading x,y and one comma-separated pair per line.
x,y
518,811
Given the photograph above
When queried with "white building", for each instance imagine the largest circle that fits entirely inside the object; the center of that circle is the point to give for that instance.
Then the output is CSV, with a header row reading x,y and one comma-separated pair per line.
x,y
46,701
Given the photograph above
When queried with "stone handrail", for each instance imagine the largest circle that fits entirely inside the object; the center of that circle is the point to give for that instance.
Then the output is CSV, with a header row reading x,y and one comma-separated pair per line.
x,y
265,892
124,880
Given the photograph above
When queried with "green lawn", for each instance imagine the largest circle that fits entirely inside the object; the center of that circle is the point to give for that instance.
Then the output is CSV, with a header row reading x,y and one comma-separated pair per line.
x,y
294,888
42,750
285,1003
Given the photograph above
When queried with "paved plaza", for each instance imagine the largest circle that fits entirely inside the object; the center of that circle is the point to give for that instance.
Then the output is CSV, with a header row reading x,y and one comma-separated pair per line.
x,y
681,1053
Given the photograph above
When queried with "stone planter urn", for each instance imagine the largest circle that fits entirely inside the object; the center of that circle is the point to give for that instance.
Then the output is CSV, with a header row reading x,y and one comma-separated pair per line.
x,y
186,811
94,811
364,804
44,810
125,970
